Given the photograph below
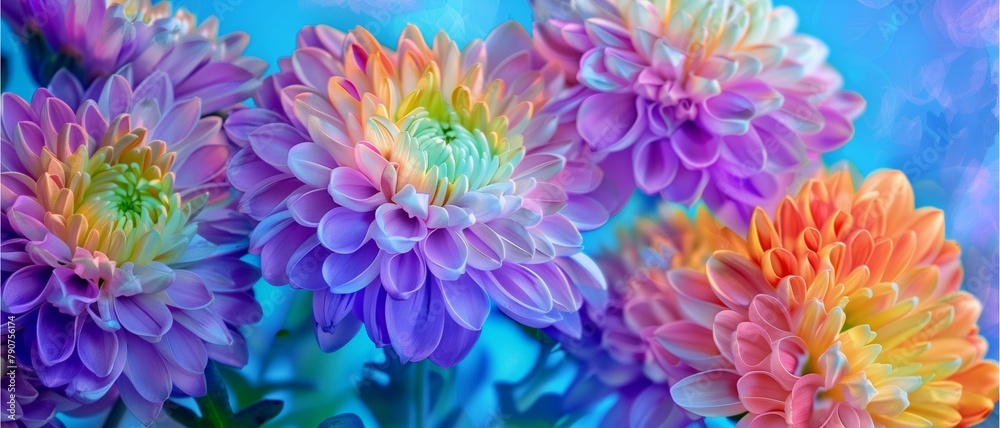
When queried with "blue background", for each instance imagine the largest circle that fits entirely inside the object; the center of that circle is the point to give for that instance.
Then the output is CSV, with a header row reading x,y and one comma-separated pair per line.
x,y
928,69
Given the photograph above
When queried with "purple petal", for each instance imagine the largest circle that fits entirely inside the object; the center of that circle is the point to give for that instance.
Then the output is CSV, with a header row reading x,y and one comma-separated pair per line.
x,y
144,315
486,251
273,141
58,374
403,274
784,148
206,325
183,350
344,231
309,208
194,385
247,171
397,231
415,325
446,253
466,301
564,297
26,288
655,164
241,123
144,410
836,131
456,342
347,273
727,114
351,189
332,338
238,308
311,164
517,291
157,87
234,354
179,122
314,66
743,155
687,186
272,194
57,334
587,277
518,245
610,122
147,371
98,349
696,147
116,97
188,291
305,267
373,312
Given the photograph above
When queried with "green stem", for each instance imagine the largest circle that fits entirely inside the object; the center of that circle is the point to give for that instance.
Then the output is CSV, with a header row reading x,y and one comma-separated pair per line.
x,y
116,415
421,385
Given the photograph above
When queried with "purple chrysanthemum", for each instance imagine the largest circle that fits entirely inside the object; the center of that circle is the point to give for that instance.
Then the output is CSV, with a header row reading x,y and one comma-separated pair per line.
x,y
123,274
132,38
695,99
409,189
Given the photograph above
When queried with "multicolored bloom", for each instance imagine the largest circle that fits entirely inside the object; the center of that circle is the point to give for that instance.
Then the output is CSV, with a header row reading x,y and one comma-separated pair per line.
x,y
408,189
615,347
105,256
695,99
94,39
845,310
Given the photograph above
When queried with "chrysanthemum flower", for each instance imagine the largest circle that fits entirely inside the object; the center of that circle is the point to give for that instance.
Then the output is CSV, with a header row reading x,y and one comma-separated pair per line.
x,y
411,188
843,311
96,38
615,346
695,98
116,283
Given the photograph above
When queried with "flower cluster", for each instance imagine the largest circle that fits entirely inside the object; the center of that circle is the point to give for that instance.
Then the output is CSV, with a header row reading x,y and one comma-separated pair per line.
x,y
695,99
409,189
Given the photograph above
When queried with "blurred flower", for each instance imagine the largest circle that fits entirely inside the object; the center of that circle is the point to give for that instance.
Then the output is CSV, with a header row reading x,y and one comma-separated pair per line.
x,y
615,346
408,189
695,99
844,311
33,404
95,39
103,255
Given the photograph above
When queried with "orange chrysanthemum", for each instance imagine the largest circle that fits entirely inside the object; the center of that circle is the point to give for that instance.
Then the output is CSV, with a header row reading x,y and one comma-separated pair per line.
x,y
844,310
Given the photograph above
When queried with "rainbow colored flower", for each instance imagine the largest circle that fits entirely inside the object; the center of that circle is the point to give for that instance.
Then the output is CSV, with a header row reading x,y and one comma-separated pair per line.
x,y
844,310
110,251
409,189
94,39
694,99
